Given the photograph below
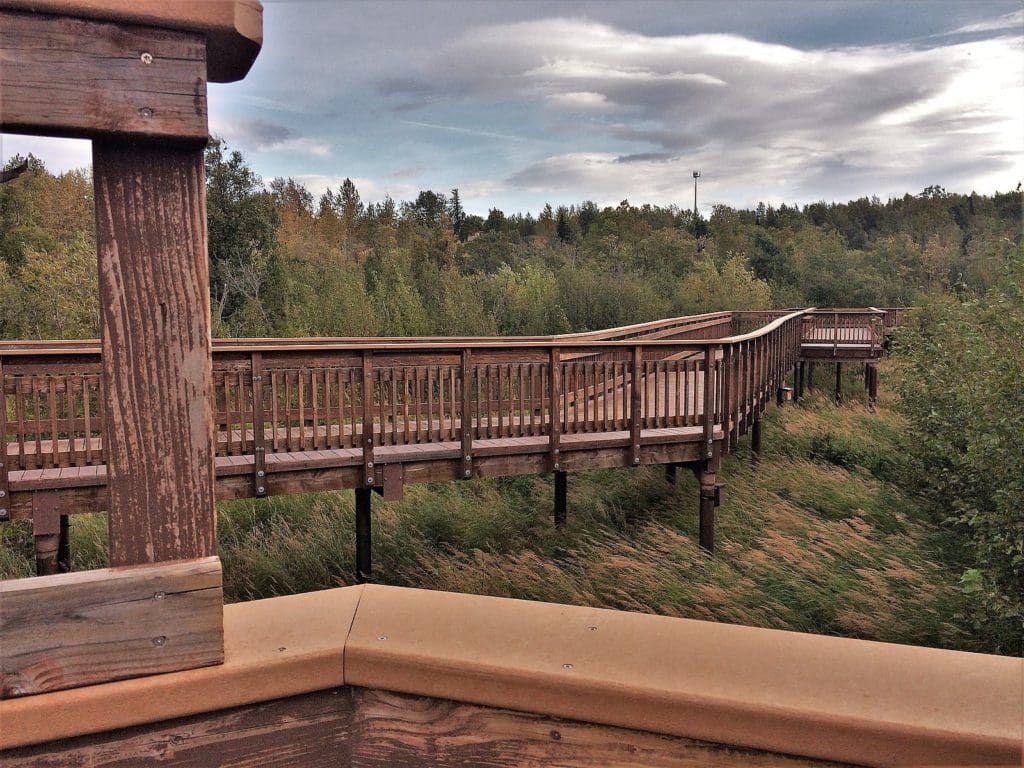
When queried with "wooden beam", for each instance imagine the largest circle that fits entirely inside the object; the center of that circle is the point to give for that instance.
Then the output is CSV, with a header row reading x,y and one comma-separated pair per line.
x,y
75,629
361,727
86,79
155,317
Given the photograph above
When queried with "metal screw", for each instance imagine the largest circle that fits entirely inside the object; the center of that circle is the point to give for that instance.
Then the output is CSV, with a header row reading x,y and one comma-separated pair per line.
x,y
261,473
369,465
382,637
147,58
556,466
177,740
556,735
556,451
567,666
159,640
146,112
261,489
636,460
3,514
467,458
159,595
369,481
467,474
592,629
16,691
2,493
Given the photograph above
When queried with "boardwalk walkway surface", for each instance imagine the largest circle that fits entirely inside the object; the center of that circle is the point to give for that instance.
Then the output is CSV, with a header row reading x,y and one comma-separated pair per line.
x,y
299,415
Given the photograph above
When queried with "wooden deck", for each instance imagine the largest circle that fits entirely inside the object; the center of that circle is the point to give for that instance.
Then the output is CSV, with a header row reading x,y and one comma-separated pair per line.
x,y
302,415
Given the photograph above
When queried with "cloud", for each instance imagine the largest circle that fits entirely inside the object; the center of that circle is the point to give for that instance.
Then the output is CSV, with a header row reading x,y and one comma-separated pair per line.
x,y
265,136
793,123
1013,20
464,130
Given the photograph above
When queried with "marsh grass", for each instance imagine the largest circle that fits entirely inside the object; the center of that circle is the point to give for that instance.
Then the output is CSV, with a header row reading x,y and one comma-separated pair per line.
x,y
818,538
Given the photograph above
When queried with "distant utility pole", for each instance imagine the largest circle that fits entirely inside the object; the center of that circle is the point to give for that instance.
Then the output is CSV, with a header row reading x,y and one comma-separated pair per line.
x,y
696,175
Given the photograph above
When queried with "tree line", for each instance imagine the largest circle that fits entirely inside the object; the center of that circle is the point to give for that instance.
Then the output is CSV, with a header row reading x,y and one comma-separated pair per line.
x,y
283,263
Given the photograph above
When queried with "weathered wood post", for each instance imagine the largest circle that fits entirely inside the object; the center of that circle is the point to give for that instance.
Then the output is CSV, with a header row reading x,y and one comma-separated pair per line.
x,y
133,79
561,497
364,555
839,382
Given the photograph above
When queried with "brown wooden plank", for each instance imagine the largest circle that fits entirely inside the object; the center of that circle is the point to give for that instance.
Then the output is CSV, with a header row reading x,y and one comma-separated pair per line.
x,y
87,79
366,728
155,300
74,629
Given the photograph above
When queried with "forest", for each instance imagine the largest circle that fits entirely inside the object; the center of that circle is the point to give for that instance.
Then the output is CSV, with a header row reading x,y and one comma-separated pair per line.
x,y
939,473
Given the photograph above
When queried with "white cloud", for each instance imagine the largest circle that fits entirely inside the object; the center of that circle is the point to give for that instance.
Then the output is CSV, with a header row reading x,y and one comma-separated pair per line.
x,y
57,154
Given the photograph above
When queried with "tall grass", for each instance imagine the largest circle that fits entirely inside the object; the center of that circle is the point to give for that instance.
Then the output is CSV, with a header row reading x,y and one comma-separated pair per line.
x,y
818,538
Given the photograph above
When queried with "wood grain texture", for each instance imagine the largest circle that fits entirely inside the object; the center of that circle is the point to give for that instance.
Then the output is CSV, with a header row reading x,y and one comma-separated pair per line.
x,y
155,313
87,79
363,728
233,28
76,629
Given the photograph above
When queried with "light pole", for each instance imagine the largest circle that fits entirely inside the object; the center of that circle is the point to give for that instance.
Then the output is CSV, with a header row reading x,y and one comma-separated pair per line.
x,y
696,175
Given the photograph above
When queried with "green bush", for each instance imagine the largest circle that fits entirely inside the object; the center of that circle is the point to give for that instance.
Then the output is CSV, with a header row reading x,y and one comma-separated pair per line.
x,y
961,389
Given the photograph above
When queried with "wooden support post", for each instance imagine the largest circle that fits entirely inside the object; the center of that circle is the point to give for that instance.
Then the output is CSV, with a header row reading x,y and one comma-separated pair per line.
x,y
5,499
364,554
555,424
755,440
466,419
561,497
707,512
839,382
367,434
259,424
672,474
64,545
155,320
636,406
799,378
872,383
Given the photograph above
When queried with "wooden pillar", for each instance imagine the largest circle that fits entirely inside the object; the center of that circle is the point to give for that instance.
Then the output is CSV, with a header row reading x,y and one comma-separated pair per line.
x,y
64,545
872,383
671,474
561,498
799,379
708,502
755,439
364,554
839,382
155,321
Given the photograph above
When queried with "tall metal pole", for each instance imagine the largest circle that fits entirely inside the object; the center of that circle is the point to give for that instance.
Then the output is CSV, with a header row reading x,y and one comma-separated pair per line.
x,y
696,175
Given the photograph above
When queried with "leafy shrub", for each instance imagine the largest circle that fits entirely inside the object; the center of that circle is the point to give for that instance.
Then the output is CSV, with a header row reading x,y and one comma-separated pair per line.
x,y
962,391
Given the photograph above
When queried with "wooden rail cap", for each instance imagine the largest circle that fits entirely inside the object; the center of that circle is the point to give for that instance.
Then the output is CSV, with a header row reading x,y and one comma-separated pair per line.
x,y
233,28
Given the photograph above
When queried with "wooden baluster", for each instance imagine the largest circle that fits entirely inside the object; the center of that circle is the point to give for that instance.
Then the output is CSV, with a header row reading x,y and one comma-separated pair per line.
x,y
430,404
466,417
453,396
555,409
259,440
709,401
5,499
635,406
367,435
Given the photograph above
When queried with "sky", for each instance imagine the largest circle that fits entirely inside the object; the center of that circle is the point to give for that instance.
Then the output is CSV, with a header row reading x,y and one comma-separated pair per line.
x,y
521,103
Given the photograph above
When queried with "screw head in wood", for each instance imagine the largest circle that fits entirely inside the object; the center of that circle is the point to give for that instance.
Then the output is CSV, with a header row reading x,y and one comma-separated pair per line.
x,y
556,467
147,58
369,481
636,460
369,465
467,474
3,514
146,112
567,666
159,641
467,458
261,473
261,489
382,637
159,595
2,493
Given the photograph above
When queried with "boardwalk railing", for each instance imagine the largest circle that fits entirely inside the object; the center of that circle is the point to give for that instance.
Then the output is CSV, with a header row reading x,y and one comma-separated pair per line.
x,y
301,415
289,396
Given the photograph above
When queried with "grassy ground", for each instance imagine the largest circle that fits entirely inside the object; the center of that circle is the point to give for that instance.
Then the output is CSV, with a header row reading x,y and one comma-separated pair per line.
x,y
818,538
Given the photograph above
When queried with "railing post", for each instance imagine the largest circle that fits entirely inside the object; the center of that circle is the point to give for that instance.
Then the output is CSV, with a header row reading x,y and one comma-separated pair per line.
x,y
367,436
5,499
635,407
561,497
728,393
555,431
467,414
259,445
709,401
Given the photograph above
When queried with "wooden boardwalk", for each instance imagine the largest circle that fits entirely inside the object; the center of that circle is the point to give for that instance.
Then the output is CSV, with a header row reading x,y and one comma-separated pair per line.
x,y
302,415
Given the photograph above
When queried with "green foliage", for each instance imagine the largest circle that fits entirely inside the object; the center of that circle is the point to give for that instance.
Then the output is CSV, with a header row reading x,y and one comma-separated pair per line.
x,y
961,391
